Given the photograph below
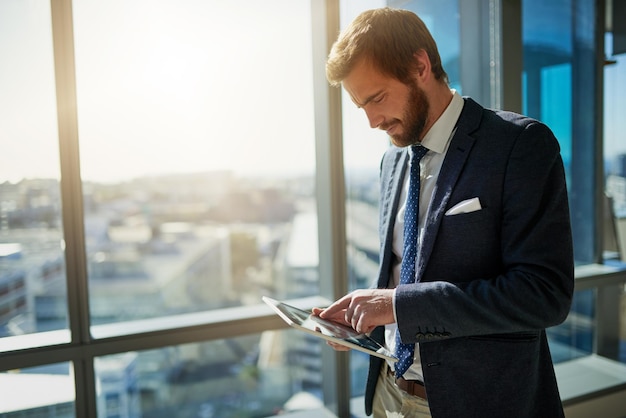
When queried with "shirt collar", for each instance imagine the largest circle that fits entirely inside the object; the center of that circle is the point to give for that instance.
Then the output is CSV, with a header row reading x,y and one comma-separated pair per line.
x,y
438,136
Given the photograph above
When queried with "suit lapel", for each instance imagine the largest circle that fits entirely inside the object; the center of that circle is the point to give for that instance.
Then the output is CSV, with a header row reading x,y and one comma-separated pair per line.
x,y
458,152
393,171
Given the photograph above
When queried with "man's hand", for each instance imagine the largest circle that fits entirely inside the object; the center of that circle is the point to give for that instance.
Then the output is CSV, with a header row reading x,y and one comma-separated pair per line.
x,y
363,309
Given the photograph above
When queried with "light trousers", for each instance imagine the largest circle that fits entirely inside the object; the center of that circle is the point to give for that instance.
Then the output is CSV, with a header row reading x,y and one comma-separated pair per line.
x,y
392,402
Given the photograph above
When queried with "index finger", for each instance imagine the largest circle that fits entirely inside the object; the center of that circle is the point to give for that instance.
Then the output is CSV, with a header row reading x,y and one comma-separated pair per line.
x,y
336,307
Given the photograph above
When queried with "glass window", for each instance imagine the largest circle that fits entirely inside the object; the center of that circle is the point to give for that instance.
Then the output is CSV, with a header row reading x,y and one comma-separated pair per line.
x,y
547,93
558,46
614,137
559,80
257,375
197,154
615,185
33,292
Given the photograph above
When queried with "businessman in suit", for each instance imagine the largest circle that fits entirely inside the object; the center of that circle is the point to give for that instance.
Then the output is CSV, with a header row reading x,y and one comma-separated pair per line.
x,y
493,265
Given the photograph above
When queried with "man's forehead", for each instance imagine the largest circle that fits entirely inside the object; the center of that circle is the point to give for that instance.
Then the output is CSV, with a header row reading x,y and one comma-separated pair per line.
x,y
364,83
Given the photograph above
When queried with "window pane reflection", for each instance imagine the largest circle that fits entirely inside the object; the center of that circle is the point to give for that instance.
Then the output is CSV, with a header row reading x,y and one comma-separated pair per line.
x,y
197,154
257,375
555,72
614,143
33,294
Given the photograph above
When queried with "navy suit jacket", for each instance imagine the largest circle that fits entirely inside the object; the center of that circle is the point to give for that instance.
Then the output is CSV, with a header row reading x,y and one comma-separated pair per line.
x,y
490,281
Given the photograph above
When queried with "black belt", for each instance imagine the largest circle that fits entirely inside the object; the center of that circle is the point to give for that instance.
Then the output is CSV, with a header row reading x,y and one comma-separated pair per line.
x,y
412,387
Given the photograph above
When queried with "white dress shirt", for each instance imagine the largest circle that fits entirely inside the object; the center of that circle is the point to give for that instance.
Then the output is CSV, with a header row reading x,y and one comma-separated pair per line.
x,y
437,140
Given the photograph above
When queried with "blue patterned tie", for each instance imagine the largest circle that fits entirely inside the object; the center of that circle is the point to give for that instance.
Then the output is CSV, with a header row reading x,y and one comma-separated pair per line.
x,y
405,352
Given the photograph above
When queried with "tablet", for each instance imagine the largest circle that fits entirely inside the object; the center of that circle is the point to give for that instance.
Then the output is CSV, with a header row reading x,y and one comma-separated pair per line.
x,y
328,330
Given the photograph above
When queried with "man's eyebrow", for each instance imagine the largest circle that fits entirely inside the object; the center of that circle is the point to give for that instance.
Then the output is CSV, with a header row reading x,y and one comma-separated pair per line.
x,y
368,99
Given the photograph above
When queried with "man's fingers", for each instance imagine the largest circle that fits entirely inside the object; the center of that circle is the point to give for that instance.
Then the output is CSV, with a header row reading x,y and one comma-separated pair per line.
x,y
336,307
358,320
362,325
363,310
317,311
338,316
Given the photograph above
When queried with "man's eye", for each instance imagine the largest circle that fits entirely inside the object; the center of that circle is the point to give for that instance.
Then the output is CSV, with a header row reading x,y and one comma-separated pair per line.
x,y
379,99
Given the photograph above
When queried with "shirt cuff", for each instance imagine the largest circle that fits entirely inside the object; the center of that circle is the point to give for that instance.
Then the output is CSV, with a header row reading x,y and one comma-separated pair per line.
x,y
393,303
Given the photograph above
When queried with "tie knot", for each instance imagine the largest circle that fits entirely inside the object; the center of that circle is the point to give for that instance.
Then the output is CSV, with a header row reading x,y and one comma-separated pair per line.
x,y
418,151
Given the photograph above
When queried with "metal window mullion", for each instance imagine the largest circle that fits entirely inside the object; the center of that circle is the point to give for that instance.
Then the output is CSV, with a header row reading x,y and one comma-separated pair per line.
x,y
474,52
330,193
511,54
72,204
600,29
608,297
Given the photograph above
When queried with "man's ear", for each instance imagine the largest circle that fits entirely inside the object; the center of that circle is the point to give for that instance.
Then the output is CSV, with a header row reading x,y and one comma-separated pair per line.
x,y
422,65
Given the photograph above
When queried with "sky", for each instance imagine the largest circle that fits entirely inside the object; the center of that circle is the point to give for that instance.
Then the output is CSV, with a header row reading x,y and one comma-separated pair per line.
x,y
28,128
162,86
181,86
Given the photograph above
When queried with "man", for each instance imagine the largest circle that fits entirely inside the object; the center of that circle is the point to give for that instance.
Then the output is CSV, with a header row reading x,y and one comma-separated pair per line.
x,y
493,266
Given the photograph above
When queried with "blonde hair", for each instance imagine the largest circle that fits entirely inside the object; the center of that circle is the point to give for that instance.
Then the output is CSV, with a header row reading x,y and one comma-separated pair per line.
x,y
388,38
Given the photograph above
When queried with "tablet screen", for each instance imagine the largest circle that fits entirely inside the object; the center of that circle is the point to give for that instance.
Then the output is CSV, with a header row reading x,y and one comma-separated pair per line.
x,y
328,330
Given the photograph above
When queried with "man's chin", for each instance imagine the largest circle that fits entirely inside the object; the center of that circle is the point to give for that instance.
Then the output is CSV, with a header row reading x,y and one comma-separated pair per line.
x,y
399,141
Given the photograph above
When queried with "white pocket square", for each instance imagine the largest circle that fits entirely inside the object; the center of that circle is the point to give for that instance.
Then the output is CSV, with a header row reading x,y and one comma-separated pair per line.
x,y
466,206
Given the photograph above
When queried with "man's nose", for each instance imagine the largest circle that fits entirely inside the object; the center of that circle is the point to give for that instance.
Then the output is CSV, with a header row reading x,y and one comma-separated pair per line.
x,y
374,118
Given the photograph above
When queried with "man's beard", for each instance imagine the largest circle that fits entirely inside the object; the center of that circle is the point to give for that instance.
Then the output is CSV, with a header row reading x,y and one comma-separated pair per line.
x,y
415,115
